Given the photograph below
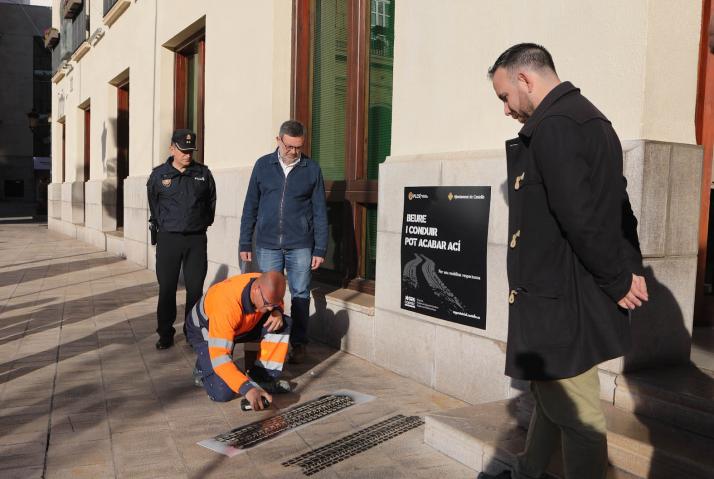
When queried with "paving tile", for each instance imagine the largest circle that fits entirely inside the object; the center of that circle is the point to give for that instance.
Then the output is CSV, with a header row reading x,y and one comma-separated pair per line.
x,y
165,469
23,473
22,423
370,464
34,410
85,453
24,438
94,471
81,427
222,467
22,455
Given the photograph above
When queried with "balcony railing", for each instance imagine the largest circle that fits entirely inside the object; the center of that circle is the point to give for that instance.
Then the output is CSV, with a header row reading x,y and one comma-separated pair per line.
x,y
78,30
73,32
56,56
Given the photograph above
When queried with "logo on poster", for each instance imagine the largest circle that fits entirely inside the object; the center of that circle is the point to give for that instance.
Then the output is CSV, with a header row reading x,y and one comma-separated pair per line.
x,y
417,196
409,302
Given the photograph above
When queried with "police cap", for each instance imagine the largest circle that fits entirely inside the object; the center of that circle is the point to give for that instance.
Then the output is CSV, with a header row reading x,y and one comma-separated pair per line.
x,y
184,139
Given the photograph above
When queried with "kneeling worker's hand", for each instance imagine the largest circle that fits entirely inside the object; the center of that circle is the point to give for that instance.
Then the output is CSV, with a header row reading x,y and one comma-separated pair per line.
x,y
253,396
274,322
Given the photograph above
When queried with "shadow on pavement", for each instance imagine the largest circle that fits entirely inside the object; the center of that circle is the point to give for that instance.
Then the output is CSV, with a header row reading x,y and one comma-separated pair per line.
x,y
48,271
56,316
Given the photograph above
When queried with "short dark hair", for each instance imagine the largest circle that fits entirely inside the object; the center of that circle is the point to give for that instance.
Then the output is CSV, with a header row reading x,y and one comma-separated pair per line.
x,y
523,55
292,128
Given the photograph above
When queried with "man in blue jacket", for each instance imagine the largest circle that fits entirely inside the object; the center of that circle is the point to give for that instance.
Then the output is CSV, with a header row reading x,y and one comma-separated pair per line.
x,y
286,199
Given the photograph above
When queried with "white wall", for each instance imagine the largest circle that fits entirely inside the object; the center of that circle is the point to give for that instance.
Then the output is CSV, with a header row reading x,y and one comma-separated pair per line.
x,y
636,60
247,82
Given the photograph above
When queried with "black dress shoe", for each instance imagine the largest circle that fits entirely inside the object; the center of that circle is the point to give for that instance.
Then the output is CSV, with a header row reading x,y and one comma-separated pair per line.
x,y
164,343
502,475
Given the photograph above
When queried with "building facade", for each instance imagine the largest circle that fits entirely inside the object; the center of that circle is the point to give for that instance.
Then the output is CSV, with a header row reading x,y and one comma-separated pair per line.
x,y
394,95
25,105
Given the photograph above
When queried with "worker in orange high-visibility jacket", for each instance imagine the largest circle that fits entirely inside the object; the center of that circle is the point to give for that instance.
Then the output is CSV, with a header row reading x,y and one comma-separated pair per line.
x,y
242,308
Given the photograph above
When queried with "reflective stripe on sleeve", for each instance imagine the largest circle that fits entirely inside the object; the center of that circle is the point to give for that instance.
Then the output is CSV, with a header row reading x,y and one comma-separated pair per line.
x,y
220,343
220,360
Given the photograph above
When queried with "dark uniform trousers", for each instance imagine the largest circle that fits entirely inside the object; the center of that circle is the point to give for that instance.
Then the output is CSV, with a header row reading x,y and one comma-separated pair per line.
x,y
174,250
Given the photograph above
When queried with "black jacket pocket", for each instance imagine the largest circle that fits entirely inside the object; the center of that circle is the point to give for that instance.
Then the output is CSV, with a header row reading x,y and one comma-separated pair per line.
x,y
545,320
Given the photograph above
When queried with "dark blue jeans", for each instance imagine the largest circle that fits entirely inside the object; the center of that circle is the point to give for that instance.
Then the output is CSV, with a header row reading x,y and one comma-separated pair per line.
x,y
297,265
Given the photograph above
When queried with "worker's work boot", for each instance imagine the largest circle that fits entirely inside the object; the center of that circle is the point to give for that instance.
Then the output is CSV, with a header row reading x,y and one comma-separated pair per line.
x,y
276,386
268,384
197,378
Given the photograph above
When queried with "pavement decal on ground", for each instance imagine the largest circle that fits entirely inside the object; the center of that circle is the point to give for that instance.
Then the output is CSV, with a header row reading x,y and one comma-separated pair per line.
x,y
302,415
353,444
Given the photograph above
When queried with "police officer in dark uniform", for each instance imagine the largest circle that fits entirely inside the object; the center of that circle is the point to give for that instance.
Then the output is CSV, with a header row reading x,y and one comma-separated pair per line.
x,y
182,201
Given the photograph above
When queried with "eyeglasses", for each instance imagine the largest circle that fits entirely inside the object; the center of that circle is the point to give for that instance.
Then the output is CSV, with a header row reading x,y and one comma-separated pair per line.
x,y
291,147
266,305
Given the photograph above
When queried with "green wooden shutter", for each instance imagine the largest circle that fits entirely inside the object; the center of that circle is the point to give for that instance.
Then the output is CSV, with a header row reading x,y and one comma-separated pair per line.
x,y
329,88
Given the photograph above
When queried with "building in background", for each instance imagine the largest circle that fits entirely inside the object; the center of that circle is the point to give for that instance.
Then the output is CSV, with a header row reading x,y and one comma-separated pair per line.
x,y
25,106
394,94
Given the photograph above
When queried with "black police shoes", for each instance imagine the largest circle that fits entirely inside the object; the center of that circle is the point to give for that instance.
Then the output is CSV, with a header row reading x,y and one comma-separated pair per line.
x,y
164,343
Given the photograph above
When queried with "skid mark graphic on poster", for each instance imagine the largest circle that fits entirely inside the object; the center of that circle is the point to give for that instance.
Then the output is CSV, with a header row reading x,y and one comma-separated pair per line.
x,y
444,240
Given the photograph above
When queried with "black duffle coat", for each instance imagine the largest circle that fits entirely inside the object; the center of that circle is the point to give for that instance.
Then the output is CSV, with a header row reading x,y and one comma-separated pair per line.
x,y
573,243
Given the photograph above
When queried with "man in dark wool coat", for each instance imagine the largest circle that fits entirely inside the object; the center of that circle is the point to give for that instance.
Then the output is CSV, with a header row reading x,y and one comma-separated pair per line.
x,y
574,262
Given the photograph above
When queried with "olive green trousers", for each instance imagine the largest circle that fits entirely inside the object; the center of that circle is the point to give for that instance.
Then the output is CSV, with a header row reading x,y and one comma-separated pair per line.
x,y
567,412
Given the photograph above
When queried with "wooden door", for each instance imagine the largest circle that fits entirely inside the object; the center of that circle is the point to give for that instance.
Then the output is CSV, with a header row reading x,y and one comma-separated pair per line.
x,y
704,306
122,148
87,118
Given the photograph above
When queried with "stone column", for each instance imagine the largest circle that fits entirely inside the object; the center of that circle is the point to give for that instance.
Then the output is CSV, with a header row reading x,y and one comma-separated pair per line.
x,y
136,216
663,185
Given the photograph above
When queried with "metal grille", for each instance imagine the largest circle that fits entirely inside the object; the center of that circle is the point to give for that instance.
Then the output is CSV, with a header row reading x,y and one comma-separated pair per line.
x,y
334,452
254,433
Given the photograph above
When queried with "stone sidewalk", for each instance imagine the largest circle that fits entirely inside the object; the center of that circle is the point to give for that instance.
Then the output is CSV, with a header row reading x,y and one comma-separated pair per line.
x,y
84,393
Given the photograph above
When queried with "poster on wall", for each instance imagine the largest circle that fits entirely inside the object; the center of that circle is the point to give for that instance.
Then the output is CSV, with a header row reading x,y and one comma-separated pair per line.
x,y
444,239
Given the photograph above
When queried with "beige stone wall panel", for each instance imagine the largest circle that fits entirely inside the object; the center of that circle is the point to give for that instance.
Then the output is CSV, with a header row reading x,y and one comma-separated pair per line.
x,y
54,201
405,346
655,198
444,102
684,203
341,325
470,367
